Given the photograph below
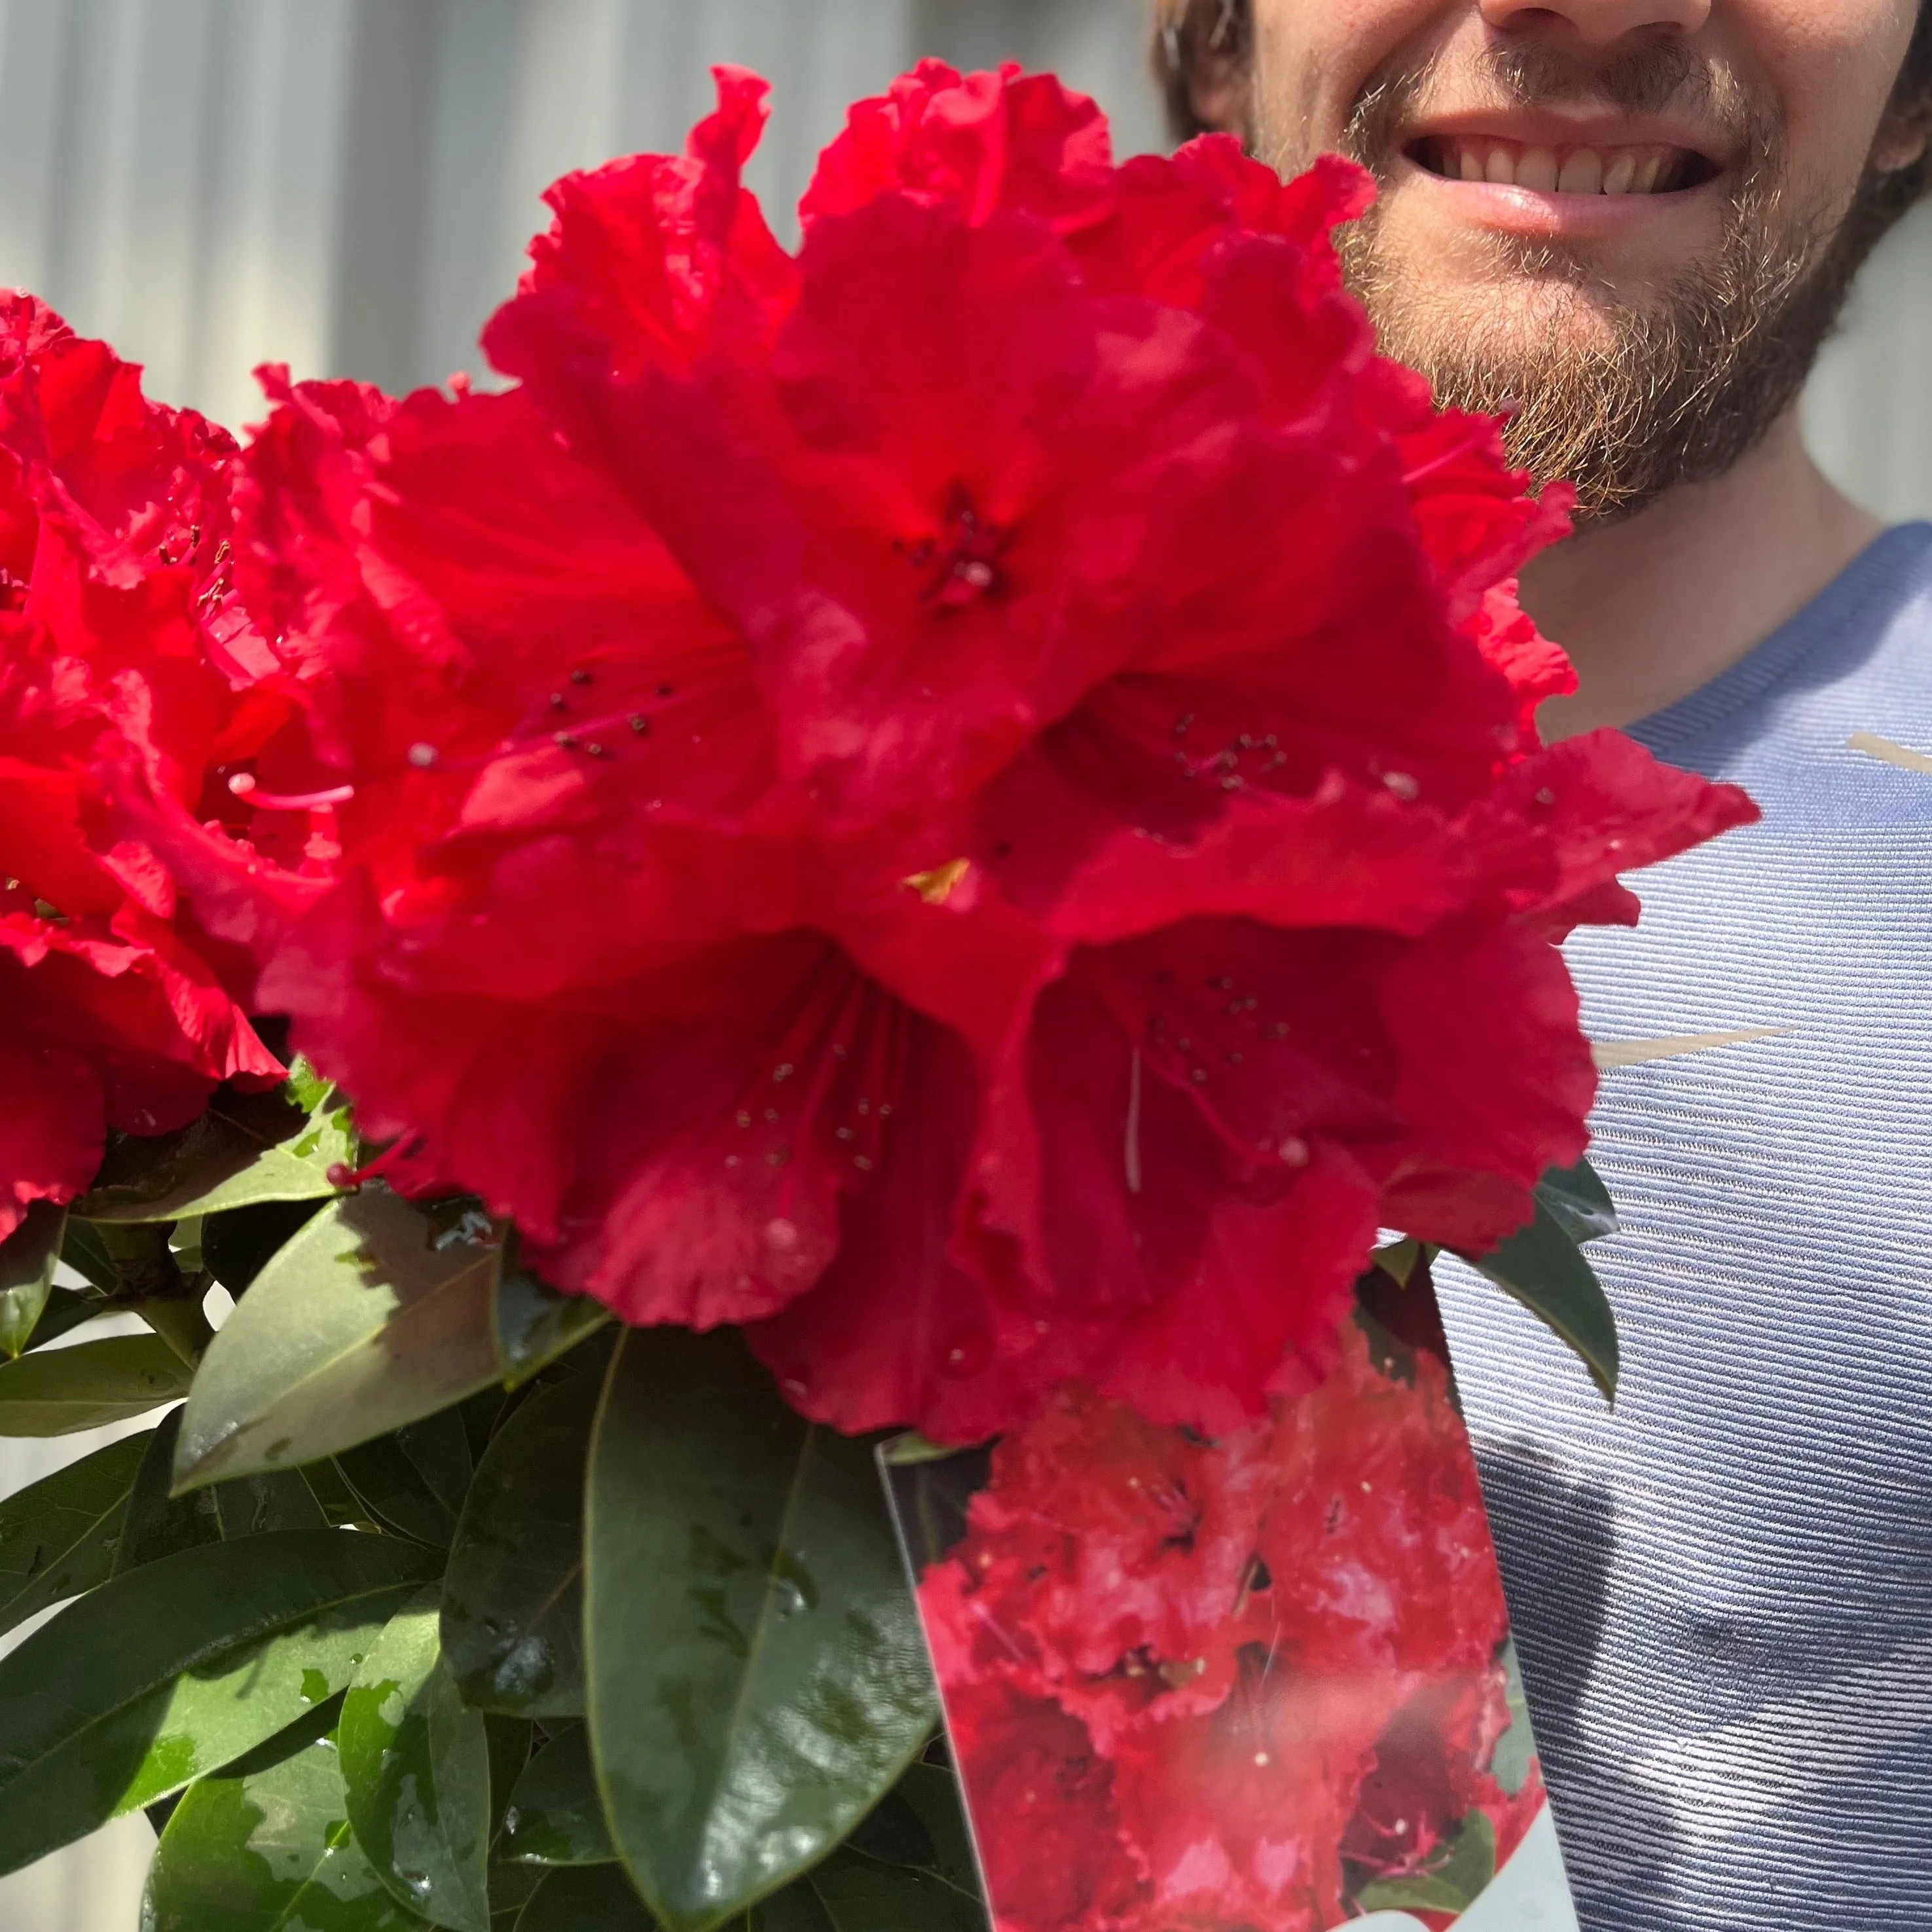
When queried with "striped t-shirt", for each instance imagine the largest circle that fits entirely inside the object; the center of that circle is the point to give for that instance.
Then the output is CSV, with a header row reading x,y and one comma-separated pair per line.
x,y
1722,1591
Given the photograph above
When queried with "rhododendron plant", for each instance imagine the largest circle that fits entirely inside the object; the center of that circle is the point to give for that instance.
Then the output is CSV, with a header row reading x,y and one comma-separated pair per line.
x,y
121,650
966,799
940,831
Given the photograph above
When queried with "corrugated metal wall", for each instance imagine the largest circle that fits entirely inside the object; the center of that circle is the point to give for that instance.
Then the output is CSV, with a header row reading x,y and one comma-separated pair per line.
x,y
347,186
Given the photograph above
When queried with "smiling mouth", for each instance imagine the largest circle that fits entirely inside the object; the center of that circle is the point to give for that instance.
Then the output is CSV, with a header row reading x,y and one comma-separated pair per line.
x,y
1650,169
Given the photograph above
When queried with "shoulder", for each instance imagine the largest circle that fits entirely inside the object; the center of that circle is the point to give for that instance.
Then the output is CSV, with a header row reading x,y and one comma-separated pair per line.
x,y
1855,661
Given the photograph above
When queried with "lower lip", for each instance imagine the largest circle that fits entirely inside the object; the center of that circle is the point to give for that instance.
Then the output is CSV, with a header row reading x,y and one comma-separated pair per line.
x,y
1528,211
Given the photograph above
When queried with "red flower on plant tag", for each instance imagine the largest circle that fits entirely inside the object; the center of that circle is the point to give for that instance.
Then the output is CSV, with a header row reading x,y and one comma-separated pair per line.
x,y
1256,1684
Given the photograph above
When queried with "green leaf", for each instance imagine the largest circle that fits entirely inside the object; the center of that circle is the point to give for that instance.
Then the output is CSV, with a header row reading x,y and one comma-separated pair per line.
x,y
796,1909
931,1794
1454,1885
757,1675
391,1490
236,1246
57,1391
511,1887
556,1815
597,1898
1399,1261
268,1849
536,1325
913,1450
859,1894
158,1523
65,1312
85,1249
513,1598
438,1449
247,1148
1545,1270
416,1764
164,1675
59,1537
28,1259
358,1326
510,1742
1580,1202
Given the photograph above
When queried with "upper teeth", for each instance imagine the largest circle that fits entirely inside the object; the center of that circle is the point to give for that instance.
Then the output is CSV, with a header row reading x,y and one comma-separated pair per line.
x,y
1480,157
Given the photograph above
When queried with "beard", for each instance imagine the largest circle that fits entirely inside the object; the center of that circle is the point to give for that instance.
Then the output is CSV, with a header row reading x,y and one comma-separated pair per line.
x,y
1626,397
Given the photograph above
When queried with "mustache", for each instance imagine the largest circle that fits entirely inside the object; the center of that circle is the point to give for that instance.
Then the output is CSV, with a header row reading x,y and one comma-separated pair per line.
x,y
1662,77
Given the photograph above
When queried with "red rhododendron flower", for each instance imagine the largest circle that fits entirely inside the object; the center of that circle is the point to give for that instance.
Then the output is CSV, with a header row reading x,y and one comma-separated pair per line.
x,y
967,798
121,652
1197,1684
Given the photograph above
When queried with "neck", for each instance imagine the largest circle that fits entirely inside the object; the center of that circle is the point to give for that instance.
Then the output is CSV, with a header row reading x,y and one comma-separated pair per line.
x,y
1651,608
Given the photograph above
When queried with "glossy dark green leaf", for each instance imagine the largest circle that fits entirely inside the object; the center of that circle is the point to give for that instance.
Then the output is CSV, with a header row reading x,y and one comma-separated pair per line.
x,y
510,1740
757,1675
59,1538
513,1599
1580,1202
358,1326
415,1762
556,1814
438,1449
28,1259
85,1251
159,1523
511,1887
247,1148
796,1909
236,1246
390,1489
1454,1885
931,1793
859,1895
597,1898
536,1325
65,1311
268,1850
57,1391
169,1673
260,1505
1545,1270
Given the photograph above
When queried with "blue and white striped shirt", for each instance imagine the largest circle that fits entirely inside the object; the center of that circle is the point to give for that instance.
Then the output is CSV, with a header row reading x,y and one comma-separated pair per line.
x,y
1722,1591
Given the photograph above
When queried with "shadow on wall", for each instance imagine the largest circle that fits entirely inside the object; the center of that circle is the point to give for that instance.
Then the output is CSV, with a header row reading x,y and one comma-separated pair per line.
x,y
348,185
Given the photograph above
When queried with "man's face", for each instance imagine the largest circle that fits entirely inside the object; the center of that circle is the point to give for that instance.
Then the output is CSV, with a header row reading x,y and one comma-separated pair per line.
x,y
1609,211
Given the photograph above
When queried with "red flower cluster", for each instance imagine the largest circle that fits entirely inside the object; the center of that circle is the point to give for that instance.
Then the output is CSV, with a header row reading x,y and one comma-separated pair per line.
x,y
964,798
1193,1685
124,663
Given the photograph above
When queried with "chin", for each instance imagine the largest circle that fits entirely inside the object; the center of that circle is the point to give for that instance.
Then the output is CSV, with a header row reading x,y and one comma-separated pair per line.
x,y
1512,324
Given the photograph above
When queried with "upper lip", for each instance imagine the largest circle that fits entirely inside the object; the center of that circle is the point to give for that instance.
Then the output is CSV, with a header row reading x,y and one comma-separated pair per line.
x,y
1552,128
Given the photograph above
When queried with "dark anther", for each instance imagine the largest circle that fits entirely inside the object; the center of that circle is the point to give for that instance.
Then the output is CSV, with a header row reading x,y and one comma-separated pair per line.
x,y
664,690
579,676
596,751
964,562
567,740
558,702
640,724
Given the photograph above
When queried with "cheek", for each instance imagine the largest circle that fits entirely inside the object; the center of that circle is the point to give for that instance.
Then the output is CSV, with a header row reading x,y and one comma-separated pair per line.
x,y
1313,58
1832,63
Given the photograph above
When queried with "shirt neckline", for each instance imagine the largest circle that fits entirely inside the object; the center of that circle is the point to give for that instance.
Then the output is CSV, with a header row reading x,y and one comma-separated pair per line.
x,y
1869,581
